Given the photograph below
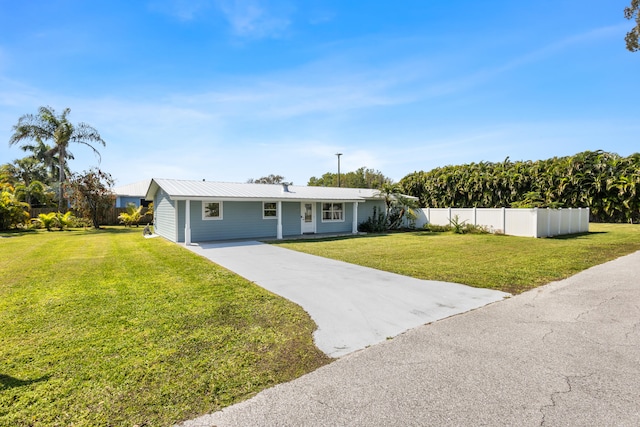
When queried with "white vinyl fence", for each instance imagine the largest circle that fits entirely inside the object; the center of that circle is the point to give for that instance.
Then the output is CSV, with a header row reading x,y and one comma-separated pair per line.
x,y
515,222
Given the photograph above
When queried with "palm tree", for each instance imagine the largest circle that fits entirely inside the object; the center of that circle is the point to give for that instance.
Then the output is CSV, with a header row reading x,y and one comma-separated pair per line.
x,y
45,155
36,192
397,204
47,126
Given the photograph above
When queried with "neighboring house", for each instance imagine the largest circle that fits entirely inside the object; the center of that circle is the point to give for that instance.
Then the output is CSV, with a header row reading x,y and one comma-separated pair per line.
x,y
199,211
132,193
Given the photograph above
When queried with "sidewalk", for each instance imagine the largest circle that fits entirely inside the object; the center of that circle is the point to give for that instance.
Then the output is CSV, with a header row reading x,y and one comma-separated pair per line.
x,y
565,354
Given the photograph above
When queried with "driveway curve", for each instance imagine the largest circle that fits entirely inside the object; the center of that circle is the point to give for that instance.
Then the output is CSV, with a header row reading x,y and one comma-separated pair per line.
x,y
353,306
564,354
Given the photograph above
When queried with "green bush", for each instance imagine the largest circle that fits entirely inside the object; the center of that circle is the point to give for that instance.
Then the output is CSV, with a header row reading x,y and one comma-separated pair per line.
x,y
377,223
434,228
475,229
13,212
462,228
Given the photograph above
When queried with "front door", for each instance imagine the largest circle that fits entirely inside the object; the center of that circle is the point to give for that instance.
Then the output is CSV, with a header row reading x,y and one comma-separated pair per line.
x,y
307,216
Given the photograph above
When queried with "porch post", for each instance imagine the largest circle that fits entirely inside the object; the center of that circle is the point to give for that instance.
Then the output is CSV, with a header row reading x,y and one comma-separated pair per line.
x,y
354,224
187,222
279,216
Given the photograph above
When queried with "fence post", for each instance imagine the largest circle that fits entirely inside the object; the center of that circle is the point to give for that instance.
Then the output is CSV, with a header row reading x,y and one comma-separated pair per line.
x,y
475,216
548,223
535,222
570,215
504,220
559,221
587,224
449,214
579,220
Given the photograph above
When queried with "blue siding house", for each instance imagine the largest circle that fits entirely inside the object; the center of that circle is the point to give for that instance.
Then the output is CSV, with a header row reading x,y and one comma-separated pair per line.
x,y
200,211
131,193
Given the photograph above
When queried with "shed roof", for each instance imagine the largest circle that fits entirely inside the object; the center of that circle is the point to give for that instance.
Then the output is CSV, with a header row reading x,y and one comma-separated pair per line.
x,y
182,189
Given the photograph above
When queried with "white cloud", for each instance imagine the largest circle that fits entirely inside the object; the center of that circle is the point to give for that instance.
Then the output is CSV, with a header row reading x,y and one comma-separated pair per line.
x,y
257,18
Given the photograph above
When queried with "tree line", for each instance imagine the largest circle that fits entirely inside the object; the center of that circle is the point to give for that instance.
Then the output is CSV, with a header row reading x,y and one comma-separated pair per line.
x,y
360,178
606,183
43,178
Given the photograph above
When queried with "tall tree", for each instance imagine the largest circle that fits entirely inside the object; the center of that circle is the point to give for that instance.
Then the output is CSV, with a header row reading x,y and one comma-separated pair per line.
x,y
91,195
271,179
49,126
633,12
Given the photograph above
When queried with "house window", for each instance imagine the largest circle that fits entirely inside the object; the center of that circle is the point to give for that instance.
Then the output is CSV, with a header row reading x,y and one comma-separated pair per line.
x,y
211,210
269,210
332,212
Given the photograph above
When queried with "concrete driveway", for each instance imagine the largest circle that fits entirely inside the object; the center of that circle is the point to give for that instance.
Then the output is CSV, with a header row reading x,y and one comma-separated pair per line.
x,y
565,354
354,307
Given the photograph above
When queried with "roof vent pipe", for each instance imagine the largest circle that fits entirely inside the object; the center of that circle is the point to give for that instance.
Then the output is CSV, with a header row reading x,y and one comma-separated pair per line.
x,y
285,187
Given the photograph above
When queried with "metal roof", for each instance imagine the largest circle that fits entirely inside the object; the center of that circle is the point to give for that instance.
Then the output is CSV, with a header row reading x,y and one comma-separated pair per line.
x,y
137,189
182,189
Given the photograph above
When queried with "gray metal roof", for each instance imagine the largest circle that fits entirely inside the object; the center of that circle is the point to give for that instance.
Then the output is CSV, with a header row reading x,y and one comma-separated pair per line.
x,y
182,189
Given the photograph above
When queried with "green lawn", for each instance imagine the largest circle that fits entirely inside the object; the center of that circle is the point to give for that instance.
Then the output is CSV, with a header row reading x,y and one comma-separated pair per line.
x,y
108,328
507,263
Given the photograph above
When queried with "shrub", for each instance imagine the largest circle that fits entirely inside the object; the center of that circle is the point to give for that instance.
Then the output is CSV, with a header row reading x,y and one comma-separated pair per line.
x,y
475,229
132,216
435,228
12,211
46,220
457,226
376,223
66,220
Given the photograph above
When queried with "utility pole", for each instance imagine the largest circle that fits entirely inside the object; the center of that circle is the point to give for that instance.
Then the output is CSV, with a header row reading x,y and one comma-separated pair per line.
x,y
338,154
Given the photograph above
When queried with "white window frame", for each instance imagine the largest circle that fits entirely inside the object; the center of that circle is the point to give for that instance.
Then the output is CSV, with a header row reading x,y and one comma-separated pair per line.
x,y
333,211
205,217
264,210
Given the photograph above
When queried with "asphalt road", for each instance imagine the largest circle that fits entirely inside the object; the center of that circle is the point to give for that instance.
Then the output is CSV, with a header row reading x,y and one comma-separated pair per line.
x,y
566,354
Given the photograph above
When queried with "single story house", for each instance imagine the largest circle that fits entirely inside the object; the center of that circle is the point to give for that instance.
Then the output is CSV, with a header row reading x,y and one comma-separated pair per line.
x,y
132,193
199,211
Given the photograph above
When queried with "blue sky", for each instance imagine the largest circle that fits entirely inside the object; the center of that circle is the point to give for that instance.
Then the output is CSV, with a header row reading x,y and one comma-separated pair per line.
x,y
228,90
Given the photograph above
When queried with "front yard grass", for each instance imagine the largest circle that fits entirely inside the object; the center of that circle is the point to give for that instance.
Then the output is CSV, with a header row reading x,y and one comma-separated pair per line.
x,y
506,263
108,328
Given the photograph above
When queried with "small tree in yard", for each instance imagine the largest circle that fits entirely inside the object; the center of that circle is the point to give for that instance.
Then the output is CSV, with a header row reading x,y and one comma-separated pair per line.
x,y
397,208
90,194
397,205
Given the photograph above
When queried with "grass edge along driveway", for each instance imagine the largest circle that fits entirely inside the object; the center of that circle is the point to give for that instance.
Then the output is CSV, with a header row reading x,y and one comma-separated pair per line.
x,y
505,263
108,328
